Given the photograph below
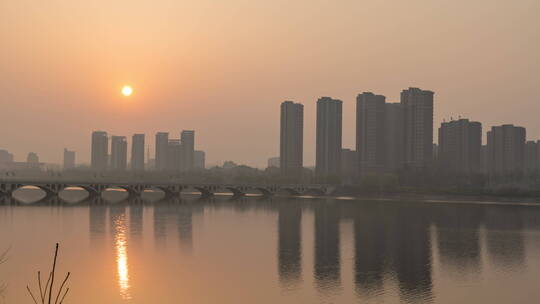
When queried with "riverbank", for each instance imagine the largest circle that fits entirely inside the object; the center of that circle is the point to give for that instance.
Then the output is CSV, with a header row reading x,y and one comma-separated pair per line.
x,y
501,195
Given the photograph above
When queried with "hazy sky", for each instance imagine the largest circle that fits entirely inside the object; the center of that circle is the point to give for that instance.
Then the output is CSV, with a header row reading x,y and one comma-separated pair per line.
x,y
223,67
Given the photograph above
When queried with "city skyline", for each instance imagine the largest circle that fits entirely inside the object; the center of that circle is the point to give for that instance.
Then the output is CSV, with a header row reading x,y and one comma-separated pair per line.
x,y
389,107
252,151
227,77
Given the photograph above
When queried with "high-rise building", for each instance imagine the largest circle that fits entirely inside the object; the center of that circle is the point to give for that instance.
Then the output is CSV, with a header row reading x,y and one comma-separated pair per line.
x,y
174,155
69,159
370,133
118,153
538,155
328,141
162,142
291,139
435,155
506,150
150,163
187,138
137,152
394,136
100,151
531,156
460,143
418,127
484,159
199,160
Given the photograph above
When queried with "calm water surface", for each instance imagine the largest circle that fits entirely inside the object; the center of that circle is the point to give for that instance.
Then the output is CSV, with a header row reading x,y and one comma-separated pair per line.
x,y
276,250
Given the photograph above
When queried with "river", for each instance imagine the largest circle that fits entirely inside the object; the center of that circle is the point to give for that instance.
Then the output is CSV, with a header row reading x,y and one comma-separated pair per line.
x,y
273,250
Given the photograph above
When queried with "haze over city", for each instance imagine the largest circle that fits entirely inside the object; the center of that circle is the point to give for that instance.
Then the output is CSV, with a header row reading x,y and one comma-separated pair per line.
x,y
255,151
223,68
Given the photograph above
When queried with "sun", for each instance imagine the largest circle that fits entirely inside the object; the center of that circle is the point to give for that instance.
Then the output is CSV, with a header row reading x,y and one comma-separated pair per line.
x,y
127,90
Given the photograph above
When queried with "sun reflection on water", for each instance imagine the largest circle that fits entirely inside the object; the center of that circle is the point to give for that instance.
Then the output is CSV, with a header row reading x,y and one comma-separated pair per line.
x,y
120,240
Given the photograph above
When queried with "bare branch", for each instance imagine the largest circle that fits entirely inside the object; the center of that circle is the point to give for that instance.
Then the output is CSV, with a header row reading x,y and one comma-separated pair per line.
x,y
61,287
46,287
62,301
29,291
39,283
46,292
52,275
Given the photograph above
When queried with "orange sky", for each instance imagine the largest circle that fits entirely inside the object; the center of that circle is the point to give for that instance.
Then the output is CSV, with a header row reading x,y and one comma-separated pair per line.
x,y
223,67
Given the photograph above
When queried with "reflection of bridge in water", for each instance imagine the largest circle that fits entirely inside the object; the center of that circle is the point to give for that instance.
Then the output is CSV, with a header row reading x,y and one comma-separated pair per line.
x,y
171,190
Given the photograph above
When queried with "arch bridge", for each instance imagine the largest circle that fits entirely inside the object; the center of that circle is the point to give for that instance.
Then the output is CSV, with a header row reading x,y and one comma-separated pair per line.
x,y
135,189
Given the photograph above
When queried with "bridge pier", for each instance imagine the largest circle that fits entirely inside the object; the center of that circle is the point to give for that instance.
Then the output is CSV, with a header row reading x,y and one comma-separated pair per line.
x,y
5,199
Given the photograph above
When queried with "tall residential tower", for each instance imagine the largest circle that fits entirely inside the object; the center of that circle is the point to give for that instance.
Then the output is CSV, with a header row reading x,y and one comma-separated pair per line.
x,y
370,133
137,152
291,138
418,127
118,153
69,159
460,143
187,138
506,150
100,150
328,141
162,143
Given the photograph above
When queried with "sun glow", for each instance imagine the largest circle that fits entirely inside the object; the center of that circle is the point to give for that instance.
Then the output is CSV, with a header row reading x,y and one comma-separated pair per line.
x,y
127,90
122,257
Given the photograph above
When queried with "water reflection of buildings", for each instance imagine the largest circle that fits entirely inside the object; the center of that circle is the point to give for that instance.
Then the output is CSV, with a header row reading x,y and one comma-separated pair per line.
x,y
327,268
289,243
161,214
184,220
180,215
458,237
504,237
369,250
392,241
120,227
136,221
412,254
98,222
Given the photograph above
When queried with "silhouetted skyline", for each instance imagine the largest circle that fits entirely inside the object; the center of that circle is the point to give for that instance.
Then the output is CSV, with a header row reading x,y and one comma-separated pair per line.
x,y
221,68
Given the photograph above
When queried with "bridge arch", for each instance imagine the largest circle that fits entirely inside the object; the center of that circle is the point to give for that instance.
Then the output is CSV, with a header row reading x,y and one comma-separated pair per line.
x,y
31,197
115,194
89,192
